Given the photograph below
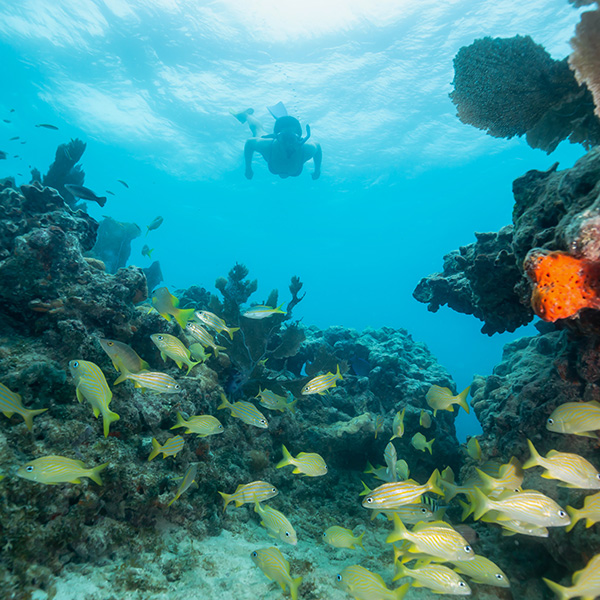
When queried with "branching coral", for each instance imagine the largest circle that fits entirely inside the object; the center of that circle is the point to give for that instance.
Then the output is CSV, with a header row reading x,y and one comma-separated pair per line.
x,y
65,169
563,284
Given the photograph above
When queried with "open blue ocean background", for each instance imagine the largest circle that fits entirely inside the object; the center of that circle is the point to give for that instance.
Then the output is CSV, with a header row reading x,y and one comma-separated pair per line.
x,y
148,85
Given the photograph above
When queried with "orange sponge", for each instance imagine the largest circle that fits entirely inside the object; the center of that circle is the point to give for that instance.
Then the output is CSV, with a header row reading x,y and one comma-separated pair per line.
x,y
563,284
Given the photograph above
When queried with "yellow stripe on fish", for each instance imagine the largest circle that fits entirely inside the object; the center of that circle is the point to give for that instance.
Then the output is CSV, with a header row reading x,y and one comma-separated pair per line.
x,y
307,463
203,425
441,398
272,401
158,382
91,386
321,383
482,570
167,306
514,526
510,477
215,322
578,418
437,539
473,448
411,513
339,537
366,585
586,582
52,470
262,311
201,335
256,491
273,564
173,347
11,403
276,523
170,448
573,469
399,493
188,480
244,411
123,357
590,512
439,578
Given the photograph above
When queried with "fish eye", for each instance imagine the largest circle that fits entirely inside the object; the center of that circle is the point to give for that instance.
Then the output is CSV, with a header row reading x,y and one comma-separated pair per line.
x,y
325,534
220,426
550,421
75,364
499,576
461,584
177,386
423,510
468,549
339,577
263,421
110,343
29,468
160,338
274,490
287,534
369,500
562,514
254,554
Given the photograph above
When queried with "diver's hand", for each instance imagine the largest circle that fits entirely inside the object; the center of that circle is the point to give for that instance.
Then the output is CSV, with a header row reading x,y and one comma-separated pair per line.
x,y
249,174
316,175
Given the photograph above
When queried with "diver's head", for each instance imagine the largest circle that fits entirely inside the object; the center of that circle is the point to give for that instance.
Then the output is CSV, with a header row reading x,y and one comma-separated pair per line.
x,y
288,131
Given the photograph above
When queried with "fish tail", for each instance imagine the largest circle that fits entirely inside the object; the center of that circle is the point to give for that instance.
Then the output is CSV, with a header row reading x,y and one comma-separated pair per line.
x,y
359,540
94,473
488,481
400,568
369,468
191,365
286,460
156,448
180,421
292,406
559,590
534,459
278,309
399,531
183,315
226,499
108,418
433,483
231,331
29,414
175,498
217,348
467,510
462,399
400,592
366,489
429,444
338,375
224,402
294,585
481,504
575,517
124,374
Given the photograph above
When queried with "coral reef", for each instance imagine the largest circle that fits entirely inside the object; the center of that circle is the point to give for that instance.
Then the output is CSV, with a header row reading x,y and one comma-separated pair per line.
x,y
512,87
65,170
113,243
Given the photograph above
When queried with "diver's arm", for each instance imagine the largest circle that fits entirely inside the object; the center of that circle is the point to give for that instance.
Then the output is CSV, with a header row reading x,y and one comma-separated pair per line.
x,y
317,160
249,149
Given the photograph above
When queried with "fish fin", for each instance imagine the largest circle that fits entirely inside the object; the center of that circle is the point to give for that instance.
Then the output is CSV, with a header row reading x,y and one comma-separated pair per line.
x,y
366,489
296,471
78,393
573,514
96,411
429,444
432,483
239,503
183,316
231,331
286,460
109,417
9,413
589,523
559,590
165,316
180,422
224,402
164,356
338,375
120,379
462,399
94,473
176,496
587,434
534,459
29,414
546,475
481,503
191,365
292,406
156,448
359,540
399,531
179,364
226,499
294,585
75,480
145,365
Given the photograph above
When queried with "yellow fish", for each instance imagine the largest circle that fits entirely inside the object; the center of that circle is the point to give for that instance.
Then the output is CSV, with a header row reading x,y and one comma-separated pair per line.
x,y
123,357
390,458
441,398
411,513
203,425
170,448
261,311
272,563
363,584
199,333
437,538
188,480
399,493
91,386
379,422
510,477
59,469
167,306
439,578
398,425
425,419
10,403
590,512
250,493
338,537
307,463
215,322
244,411
586,583
173,347
198,353
419,442
578,418
272,401
574,470
321,383
482,570
514,526
473,448
158,382
276,523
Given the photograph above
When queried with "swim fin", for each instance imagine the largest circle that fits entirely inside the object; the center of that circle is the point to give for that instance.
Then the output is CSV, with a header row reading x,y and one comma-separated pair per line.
x,y
278,110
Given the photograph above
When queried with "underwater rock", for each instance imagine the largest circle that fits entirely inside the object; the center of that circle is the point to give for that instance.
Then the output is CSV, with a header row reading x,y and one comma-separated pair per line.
x,y
65,170
113,244
153,275
513,87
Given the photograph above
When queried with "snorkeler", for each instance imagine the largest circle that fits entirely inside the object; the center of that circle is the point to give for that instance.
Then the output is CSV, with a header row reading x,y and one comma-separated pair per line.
x,y
285,150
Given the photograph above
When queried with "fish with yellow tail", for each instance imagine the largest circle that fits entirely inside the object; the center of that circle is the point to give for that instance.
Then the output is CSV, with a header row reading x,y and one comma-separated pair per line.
x,y
379,423
439,578
437,538
202,425
52,470
390,457
198,353
158,382
248,493
419,442
123,357
425,419
307,463
578,418
363,584
399,493
276,523
187,481
167,306
273,401
91,386
482,570
339,537
201,335
262,311
586,583
273,564
244,411
574,470
441,398
510,477
321,383
173,348
398,425
215,322
590,512
170,448
11,403
474,449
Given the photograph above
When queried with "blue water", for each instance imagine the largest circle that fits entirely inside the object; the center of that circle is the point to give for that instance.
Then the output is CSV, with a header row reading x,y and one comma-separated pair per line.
x,y
149,84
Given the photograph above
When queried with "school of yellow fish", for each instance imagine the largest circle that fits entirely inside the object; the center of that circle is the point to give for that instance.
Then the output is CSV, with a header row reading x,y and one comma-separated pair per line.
x,y
494,495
